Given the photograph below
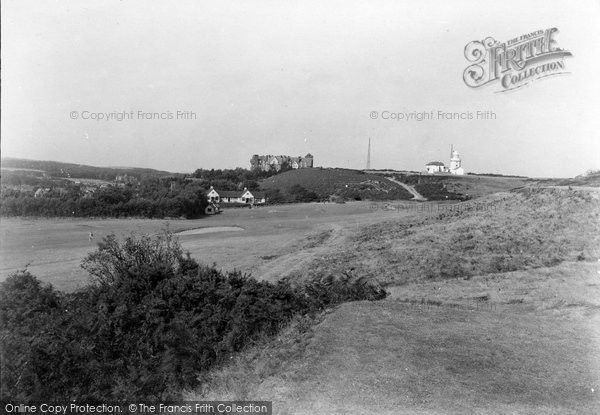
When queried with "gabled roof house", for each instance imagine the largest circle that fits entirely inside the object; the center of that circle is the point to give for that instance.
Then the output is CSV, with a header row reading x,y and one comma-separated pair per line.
x,y
236,196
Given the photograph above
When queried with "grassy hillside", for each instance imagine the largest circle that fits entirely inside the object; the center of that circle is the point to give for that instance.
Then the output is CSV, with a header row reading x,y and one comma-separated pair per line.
x,y
60,169
436,187
515,231
590,179
350,184
393,358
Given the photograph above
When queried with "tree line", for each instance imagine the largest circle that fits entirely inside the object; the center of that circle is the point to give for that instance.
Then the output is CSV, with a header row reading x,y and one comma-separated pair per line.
x,y
149,197
152,198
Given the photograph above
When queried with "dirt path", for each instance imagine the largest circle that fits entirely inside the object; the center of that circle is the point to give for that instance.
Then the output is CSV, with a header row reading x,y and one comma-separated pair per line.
x,y
411,189
298,257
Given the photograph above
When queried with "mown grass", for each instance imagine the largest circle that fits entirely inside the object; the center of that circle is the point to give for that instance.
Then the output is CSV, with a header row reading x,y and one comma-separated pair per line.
x,y
394,358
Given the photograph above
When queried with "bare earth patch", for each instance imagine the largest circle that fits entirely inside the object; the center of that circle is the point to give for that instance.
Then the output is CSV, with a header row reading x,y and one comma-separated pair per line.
x,y
212,229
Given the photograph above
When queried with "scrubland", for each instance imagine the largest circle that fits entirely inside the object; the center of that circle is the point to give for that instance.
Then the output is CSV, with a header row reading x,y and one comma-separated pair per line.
x,y
492,304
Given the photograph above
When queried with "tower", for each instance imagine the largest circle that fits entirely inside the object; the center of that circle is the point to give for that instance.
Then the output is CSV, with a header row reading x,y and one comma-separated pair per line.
x,y
308,161
369,155
455,162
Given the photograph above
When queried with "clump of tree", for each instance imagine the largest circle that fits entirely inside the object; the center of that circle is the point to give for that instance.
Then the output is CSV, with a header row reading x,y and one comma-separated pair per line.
x,y
235,179
153,197
294,194
150,322
299,194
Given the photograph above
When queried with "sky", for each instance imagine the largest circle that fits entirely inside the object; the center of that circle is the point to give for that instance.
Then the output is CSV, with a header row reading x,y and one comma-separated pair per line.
x,y
292,77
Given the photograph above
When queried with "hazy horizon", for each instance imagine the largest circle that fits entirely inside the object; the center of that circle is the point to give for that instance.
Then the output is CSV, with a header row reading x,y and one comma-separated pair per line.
x,y
292,78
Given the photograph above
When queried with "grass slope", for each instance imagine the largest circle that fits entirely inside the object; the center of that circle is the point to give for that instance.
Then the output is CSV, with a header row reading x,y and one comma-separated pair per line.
x,y
518,231
57,168
533,348
343,182
391,358
472,185
478,186
591,179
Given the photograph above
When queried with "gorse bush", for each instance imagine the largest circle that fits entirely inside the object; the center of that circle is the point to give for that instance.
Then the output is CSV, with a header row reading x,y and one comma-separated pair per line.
x,y
152,320
294,194
329,290
431,187
27,317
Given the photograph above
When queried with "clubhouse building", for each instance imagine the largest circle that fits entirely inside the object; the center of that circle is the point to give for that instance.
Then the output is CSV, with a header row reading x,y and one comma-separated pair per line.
x,y
245,196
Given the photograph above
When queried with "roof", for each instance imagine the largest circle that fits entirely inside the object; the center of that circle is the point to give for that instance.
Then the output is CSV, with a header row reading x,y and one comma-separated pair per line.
x,y
435,163
229,193
240,193
256,194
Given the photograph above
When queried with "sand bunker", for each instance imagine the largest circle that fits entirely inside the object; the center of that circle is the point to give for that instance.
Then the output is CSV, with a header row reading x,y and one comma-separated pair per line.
x,y
199,231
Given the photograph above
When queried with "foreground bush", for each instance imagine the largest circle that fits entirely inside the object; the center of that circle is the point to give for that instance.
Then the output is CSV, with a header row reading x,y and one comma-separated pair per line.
x,y
152,320
329,290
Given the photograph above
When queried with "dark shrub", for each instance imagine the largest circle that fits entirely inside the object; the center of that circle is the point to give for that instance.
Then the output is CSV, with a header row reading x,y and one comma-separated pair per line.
x,y
152,320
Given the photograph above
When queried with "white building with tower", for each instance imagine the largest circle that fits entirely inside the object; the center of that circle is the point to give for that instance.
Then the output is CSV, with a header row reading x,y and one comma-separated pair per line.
x,y
436,167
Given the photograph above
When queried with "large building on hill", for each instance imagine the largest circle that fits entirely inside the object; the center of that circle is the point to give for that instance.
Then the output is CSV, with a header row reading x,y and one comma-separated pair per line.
x,y
270,162
434,167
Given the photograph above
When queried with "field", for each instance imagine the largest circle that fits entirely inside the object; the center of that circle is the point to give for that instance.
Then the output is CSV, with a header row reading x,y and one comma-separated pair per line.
x,y
275,240
493,304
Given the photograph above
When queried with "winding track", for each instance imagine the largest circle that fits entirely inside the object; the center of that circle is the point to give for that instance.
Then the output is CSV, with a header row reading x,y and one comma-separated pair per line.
x,y
416,195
